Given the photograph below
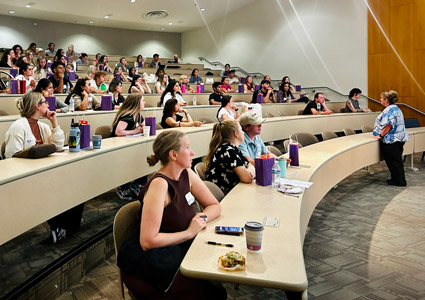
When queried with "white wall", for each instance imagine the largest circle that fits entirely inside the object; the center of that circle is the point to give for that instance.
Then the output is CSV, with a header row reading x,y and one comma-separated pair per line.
x,y
90,39
260,38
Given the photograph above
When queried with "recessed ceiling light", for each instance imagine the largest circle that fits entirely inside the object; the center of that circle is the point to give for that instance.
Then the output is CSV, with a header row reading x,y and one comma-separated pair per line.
x,y
132,1
203,9
11,11
28,6
170,23
162,28
91,22
35,24
106,17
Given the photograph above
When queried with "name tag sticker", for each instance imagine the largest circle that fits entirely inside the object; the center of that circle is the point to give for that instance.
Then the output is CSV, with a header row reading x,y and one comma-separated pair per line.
x,y
189,198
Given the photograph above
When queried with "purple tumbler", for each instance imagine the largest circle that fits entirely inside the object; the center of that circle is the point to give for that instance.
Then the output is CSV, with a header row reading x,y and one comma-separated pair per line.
x,y
71,76
260,98
14,72
240,88
257,87
14,86
293,154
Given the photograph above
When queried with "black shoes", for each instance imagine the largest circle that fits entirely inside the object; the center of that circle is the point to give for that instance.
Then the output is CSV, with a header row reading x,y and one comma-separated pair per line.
x,y
392,182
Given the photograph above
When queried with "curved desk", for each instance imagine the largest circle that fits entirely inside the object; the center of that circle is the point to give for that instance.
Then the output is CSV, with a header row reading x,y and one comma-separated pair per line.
x,y
65,180
281,263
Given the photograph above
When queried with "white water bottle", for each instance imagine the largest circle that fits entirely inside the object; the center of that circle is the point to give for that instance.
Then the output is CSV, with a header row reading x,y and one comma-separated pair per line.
x,y
71,104
194,100
276,175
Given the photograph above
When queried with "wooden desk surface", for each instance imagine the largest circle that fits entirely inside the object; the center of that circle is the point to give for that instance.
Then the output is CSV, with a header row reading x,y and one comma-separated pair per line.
x,y
280,263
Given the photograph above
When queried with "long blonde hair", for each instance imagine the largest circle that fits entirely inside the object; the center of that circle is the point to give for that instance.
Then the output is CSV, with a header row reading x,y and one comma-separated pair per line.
x,y
27,104
130,106
165,142
223,132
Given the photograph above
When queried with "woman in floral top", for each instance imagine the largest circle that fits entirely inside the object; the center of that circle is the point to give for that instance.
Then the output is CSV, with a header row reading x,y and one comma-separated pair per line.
x,y
224,164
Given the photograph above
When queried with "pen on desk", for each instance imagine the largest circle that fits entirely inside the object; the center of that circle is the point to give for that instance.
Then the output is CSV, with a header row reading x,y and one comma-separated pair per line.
x,y
292,195
219,244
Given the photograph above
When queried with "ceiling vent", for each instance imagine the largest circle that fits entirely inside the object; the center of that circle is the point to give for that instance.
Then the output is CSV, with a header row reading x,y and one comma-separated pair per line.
x,y
155,14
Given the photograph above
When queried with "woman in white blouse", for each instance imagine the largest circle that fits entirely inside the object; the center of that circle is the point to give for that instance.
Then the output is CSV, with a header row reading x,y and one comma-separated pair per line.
x,y
228,110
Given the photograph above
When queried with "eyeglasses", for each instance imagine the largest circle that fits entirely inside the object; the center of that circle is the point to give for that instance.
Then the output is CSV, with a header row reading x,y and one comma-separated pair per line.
x,y
44,101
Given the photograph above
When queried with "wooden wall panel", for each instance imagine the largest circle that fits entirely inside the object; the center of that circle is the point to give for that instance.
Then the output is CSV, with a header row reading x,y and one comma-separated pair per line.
x,y
400,2
376,40
419,74
378,74
402,40
419,24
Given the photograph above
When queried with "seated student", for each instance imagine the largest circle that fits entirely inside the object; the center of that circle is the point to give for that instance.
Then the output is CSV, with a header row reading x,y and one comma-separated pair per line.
x,y
45,87
224,164
168,225
91,70
20,62
50,51
216,97
317,107
41,69
140,61
252,145
249,85
266,90
7,59
352,104
139,85
176,59
159,72
26,74
97,58
116,88
32,47
18,52
83,99
156,62
70,52
171,118
28,131
30,57
225,86
284,94
83,59
195,77
161,84
172,92
103,63
185,81
123,64
118,71
70,68
228,110
59,54
60,82
131,73
128,121
226,70
98,84
233,78
286,79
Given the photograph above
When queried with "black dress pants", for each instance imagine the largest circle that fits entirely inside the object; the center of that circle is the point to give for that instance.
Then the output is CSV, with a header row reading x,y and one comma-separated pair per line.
x,y
392,154
70,219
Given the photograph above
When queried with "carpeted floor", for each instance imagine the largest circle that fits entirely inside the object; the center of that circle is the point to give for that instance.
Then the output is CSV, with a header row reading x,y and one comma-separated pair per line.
x,y
365,241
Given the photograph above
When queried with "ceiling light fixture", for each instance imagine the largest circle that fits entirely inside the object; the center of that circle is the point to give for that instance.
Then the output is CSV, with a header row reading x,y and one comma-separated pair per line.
x,y
162,28
203,9
11,11
91,22
132,1
106,17
35,24
27,6
170,23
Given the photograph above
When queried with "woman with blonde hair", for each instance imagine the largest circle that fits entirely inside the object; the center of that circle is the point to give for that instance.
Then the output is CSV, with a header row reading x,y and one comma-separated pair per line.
x,y
389,128
28,131
70,52
225,164
161,84
185,81
168,224
41,69
91,70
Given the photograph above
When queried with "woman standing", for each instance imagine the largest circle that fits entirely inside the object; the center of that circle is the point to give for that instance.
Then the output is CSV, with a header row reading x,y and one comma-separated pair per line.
x,y
171,118
168,225
228,110
390,130
225,164
172,92
45,87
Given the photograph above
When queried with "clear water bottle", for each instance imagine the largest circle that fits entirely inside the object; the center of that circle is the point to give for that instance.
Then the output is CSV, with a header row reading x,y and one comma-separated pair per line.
x,y
276,175
319,107
71,104
194,100
67,88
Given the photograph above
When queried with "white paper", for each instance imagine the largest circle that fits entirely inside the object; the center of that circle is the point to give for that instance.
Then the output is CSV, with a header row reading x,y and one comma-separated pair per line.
x,y
300,183
133,135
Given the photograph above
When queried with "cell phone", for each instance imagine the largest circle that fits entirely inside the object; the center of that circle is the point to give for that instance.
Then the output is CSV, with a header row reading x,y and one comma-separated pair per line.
x,y
229,230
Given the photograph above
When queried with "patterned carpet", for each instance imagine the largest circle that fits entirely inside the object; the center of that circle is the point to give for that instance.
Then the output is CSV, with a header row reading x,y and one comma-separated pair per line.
x,y
365,241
